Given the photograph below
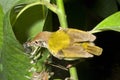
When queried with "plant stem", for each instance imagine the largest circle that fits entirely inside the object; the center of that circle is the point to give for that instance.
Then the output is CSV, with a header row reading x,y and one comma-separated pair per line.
x,y
63,23
46,3
61,14
73,73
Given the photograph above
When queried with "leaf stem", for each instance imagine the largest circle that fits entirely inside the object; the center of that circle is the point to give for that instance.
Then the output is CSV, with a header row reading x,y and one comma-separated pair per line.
x,y
61,14
73,73
53,8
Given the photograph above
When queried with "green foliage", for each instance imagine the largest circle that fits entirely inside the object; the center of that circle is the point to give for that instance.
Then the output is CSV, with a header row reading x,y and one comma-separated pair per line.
x,y
1,28
1,34
110,23
30,22
13,60
14,63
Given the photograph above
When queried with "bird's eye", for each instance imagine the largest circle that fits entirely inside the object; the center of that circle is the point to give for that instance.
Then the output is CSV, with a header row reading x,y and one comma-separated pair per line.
x,y
36,42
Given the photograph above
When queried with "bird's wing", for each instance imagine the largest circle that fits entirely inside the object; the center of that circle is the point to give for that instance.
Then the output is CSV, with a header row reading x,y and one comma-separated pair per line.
x,y
74,52
79,35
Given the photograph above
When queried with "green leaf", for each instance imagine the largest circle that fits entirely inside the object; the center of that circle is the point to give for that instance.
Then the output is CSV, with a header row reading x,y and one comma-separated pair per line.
x,y
1,34
1,27
8,4
30,21
110,23
14,64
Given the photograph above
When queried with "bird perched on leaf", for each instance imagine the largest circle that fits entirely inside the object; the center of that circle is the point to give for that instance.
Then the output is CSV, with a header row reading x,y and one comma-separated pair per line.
x,y
67,43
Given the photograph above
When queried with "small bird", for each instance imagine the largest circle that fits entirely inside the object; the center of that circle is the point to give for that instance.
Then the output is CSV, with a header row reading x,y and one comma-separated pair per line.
x,y
67,43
